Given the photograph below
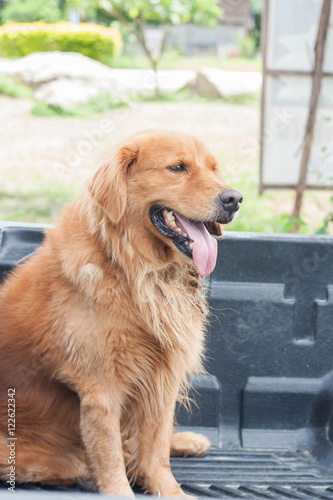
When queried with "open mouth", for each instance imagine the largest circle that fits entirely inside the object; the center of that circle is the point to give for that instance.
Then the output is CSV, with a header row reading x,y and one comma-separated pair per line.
x,y
190,237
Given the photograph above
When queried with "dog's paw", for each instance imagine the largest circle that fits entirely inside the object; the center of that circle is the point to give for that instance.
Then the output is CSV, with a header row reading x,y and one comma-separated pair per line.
x,y
189,444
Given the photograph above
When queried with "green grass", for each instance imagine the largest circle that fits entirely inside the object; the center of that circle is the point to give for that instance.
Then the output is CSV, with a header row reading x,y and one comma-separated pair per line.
x,y
244,100
186,95
323,229
11,88
40,108
95,105
258,212
41,202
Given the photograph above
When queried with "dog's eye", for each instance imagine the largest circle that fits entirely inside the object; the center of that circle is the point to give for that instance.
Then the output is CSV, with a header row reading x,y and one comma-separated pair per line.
x,y
178,168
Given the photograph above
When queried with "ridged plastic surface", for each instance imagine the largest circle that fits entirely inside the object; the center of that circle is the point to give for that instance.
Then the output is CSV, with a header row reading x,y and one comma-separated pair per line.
x,y
238,474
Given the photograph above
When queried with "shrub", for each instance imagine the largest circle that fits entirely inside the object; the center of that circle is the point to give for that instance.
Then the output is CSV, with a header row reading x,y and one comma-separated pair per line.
x,y
94,41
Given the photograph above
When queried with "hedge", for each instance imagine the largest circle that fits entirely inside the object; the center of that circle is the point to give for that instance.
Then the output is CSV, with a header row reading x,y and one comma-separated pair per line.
x,y
91,40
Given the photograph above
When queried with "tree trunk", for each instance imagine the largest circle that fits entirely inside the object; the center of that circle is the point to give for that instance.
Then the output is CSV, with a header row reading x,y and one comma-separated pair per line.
x,y
152,60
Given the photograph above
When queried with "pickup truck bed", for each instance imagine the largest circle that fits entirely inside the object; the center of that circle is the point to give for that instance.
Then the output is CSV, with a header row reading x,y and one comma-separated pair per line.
x,y
267,403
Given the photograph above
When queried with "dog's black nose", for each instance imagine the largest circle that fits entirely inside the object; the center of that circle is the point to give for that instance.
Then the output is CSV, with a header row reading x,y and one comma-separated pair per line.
x,y
230,200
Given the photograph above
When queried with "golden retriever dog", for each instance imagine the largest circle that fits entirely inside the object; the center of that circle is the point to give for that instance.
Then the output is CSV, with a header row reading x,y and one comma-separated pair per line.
x,y
100,329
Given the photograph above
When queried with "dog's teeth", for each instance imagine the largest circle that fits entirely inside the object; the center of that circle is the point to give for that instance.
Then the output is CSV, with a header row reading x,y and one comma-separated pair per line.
x,y
171,222
169,215
191,245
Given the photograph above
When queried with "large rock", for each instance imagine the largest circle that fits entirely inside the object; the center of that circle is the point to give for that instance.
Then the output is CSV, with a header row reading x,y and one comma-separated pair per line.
x,y
63,78
42,67
219,83
143,81
66,92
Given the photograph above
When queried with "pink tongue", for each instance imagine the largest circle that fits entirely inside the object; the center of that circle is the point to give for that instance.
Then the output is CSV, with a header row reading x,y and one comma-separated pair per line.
x,y
205,246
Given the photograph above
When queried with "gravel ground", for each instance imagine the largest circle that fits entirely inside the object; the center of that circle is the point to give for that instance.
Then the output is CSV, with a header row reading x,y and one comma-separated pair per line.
x,y
60,149
40,145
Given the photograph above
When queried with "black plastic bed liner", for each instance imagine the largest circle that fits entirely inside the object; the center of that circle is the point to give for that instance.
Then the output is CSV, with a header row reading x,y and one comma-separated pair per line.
x,y
232,474
267,403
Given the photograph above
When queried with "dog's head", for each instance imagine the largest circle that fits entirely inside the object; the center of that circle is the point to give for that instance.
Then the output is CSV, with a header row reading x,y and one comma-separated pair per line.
x,y
166,187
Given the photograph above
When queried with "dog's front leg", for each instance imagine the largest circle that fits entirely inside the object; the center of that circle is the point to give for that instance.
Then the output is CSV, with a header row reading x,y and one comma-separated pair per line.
x,y
155,455
100,429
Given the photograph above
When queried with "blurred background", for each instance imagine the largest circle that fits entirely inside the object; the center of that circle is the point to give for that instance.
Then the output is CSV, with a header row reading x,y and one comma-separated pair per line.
x,y
242,75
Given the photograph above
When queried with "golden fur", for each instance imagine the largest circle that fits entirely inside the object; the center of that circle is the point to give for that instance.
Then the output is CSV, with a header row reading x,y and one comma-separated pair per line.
x,y
100,329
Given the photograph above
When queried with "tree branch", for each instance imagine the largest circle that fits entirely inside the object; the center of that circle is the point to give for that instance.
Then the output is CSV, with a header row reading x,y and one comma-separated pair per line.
x,y
164,40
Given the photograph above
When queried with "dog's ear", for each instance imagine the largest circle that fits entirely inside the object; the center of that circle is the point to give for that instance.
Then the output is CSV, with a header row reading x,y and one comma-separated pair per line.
x,y
214,228
108,187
